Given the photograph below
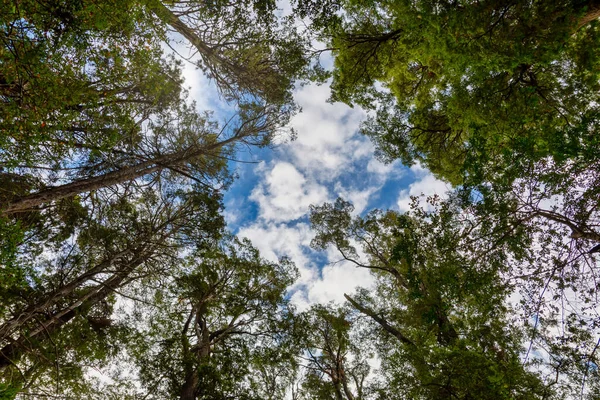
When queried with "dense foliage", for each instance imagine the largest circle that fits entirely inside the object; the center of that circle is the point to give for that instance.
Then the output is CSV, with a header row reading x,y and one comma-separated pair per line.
x,y
114,254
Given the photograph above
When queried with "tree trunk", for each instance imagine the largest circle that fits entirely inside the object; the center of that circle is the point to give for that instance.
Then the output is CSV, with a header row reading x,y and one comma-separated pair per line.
x,y
34,200
344,379
202,351
338,391
14,350
44,304
109,179
188,390
163,12
592,13
381,321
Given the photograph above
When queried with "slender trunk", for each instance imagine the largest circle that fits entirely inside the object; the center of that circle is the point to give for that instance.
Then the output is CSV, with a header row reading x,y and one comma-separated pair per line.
x,y
191,386
50,300
338,391
592,13
122,175
81,186
17,348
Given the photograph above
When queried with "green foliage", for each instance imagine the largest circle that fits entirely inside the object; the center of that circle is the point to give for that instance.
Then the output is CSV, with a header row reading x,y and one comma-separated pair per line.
x,y
113,248
76,74
440,300
452,80
110,176
8,392
221,329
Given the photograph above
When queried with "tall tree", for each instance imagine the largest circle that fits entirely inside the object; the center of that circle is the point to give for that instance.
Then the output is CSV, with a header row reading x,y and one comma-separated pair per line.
x,y
91,103
440,301
89,73
460,84
553,224
59,316
184,143
221,330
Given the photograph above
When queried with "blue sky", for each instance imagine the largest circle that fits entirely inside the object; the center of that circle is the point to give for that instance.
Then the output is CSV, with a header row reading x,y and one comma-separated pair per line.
x,y
270,200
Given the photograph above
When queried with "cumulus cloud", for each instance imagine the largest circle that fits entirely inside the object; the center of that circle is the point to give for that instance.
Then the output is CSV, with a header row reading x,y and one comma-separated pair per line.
x,y
285,194
329,159
333,282
280,240
384,171
336,278
317,283
327,143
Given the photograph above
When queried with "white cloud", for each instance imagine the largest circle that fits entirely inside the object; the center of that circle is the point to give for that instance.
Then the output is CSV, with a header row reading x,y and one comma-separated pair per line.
x,y
285,193
425,184
315,285
376,167
327,143
335,280
230,213
279,240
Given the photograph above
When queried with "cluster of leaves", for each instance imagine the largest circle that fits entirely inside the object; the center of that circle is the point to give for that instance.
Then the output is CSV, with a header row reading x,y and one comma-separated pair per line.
x,y
460,85
112,243
494,291
113,249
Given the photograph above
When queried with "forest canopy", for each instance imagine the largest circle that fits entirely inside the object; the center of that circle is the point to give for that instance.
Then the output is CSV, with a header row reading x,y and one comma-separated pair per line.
x,y
115,253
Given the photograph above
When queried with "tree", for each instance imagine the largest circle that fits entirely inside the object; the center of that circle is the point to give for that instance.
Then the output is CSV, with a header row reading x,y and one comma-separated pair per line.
x,y
440,301
461,85
88,74
553,223
184,143
82,82
221,329
65,315
77,75
90,100
500,99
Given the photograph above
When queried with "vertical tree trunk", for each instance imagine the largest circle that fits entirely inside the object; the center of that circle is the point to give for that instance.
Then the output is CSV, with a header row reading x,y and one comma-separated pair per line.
x,y
188,390
344,379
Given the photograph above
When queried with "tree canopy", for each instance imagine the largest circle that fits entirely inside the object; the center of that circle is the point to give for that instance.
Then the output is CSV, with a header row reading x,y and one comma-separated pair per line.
x,y
115,254
461,86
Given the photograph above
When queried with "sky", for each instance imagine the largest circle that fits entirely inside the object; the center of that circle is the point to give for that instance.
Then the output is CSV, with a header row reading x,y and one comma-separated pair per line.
x,y
269,202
